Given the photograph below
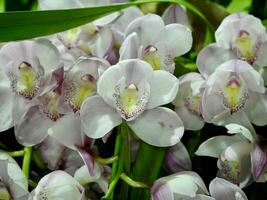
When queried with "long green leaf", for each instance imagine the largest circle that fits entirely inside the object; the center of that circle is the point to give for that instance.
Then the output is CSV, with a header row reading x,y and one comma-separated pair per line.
x,y
30,24
239,6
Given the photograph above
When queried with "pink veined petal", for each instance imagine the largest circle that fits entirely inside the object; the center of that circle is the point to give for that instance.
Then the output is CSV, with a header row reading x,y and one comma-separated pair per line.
x,y
160,190
259,163
88,160
175,14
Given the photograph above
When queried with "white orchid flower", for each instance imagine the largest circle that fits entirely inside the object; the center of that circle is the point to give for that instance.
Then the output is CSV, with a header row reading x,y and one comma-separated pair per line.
x,y
240,36
27,73
188,101
235,93
13,183
132,91
182,185
149,39
233,153
58,185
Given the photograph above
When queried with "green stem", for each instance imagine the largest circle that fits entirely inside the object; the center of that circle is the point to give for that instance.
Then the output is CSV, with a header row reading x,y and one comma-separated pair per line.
x,y
106,161
111,187
27,161
14,153
32,184
116,152
131,182
146,168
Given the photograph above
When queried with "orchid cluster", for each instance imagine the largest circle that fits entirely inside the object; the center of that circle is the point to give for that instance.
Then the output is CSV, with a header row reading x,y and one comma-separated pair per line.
x,y
113,82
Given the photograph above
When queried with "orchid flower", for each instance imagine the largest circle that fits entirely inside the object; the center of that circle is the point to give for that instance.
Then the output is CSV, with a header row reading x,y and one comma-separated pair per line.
x,y
241,36
234,93
13,183
99,176
58,185
149,39
79,84
233,153
90,39
182,185
177,159
222,189
56,156
188,101
28,67
132,91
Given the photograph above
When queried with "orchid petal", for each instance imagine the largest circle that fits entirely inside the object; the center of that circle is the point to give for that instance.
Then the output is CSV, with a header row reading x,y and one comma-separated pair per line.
x,y
221,189
175,14
171,36
145,26
259,163
177,159
261,59
32,128
163,89
98,118
129,47
211,57
214,146
158,127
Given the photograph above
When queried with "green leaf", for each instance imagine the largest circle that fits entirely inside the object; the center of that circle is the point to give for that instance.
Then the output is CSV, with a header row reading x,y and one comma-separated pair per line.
x,y
2,5
30,24
264,22
239,6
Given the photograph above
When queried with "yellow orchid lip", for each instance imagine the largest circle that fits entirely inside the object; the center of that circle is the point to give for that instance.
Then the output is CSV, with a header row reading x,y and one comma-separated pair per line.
x,y
79,90
25,83
192,103
230,170
50,105
130,103
235,94
4,193
245,46
150,56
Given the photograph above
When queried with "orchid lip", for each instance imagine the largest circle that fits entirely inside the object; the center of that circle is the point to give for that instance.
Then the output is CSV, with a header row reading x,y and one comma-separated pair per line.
x,y
235,95
4,193
192,103
230,170
128,102
49,105
78,90
26,82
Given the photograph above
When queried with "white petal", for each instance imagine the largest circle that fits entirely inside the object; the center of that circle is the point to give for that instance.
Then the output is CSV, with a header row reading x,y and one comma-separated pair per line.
x,y
211,57
174,39
67,131
129,47
146,27
158,127
214,146
163,88
32,127
221,189
261,59
98,118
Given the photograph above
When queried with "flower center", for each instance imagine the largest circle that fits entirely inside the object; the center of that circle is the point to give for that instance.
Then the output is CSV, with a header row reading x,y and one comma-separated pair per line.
x,y
130,101
245,46
50,105
79,90
151,56
4,193
192,103
230,170
69,37
235,94
43,194
26,82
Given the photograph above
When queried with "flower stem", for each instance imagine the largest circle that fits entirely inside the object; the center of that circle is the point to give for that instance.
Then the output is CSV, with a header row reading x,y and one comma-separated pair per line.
x,y
27,161
116,152
106,161
32,184
131,182
14,153
146,168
